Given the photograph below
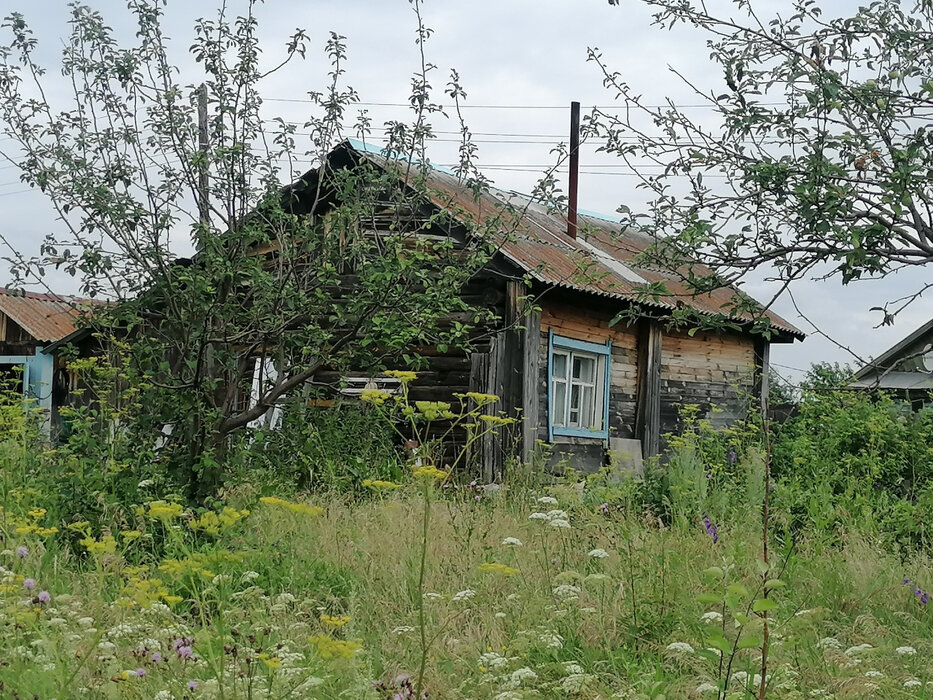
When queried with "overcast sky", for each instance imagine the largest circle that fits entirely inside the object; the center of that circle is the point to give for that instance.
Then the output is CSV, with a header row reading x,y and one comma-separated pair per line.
x,y
521,63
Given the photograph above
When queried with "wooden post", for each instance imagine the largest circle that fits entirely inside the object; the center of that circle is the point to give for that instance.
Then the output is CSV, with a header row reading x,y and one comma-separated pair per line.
x,y
648,411
531,368
762,372
574,169
203,147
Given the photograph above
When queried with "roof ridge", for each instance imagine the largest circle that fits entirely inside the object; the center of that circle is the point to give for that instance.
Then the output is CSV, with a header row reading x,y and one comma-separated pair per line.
x,y
44,296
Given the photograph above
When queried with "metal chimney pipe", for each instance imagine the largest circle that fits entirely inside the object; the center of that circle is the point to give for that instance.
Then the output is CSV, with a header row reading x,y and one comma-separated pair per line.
x,y
574,169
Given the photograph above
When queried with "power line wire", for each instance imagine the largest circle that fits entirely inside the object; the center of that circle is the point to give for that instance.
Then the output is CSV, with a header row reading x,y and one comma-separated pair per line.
x,y
469,106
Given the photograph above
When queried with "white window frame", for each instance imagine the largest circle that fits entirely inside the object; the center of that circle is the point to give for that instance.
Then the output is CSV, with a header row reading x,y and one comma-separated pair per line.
x,y
560,405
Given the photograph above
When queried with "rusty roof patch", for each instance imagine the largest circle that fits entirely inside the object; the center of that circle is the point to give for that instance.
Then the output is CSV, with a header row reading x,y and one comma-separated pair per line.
x,y
46,317
601,260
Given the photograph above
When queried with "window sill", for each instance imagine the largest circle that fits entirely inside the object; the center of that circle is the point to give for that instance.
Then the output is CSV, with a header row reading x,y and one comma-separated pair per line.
x,y
574,434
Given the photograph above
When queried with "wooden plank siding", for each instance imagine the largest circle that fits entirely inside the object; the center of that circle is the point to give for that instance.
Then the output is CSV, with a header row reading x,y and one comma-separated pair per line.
x,y
591,325
706,370
653,373
648,403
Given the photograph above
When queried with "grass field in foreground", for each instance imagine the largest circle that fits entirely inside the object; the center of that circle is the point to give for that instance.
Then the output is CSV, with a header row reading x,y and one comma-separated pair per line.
x,y
535,594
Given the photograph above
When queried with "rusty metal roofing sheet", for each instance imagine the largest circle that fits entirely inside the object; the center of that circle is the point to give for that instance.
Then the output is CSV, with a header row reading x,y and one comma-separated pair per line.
x,y
600,261
46,317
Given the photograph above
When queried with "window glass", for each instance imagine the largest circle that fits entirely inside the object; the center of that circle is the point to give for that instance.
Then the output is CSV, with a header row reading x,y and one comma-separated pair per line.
x,y
588,408
560,365
560,403
584,368
575,405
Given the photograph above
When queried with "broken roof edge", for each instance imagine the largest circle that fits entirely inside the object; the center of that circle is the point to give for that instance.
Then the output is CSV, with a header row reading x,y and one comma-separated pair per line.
x,y
877,364
780,333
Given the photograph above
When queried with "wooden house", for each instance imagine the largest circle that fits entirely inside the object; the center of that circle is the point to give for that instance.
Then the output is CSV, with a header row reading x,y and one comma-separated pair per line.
x,y
904,370
584,385
30,325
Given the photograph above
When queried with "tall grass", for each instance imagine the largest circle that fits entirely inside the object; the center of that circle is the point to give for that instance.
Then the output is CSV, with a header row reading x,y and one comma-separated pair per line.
x,y
299,604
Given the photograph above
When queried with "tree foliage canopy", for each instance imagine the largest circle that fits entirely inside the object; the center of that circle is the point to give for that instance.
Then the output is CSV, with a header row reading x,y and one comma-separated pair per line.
x,y
818,158
330,272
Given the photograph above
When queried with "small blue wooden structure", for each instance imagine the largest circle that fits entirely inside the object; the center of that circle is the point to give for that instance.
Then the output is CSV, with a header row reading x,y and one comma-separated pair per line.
x,y
38,371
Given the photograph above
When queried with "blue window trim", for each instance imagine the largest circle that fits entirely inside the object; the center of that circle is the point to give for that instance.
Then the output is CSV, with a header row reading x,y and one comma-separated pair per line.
x,y
605,350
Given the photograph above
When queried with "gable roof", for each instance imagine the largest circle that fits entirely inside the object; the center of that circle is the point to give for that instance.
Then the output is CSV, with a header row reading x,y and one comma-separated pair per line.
x,y
46,317
888,358
600,261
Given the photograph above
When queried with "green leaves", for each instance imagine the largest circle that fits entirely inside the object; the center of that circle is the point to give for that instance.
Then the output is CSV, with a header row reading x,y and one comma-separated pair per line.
x,y
763,605
838,154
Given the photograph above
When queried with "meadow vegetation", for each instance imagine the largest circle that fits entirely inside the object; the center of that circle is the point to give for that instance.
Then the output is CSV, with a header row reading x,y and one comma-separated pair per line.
x,y
330,568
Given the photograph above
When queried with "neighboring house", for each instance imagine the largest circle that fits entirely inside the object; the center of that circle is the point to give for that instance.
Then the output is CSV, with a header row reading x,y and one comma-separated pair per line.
x,y
905,370
584,385
29,324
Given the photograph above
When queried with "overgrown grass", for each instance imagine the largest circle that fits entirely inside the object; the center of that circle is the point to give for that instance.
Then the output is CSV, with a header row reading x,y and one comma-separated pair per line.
x,y
275,604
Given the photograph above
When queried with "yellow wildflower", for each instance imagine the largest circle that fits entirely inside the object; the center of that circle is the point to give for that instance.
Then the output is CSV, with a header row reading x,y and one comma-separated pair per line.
x,y
80,526
497,420
481,399
215,523
431,472
432,410
130,535
272,662
46,531
162,510
301,508
328,648
402,375
37,513
377,484
374,396
105,545
338,621
493,567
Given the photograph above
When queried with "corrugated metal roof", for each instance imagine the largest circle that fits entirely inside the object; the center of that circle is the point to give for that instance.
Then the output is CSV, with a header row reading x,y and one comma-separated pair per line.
x,y
888,357
600,261
896,380
46,317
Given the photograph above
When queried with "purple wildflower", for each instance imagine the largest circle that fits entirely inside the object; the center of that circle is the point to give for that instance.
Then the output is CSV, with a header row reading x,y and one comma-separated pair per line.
x,y
184,652
44,597
140,672
732,456
604,507
711,528
192,685
906,581
156,657
22,551
29,584
709,476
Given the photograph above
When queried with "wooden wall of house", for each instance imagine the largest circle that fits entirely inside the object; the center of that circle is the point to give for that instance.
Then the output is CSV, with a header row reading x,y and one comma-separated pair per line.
x,y
449,371
581,321
706,370
14,340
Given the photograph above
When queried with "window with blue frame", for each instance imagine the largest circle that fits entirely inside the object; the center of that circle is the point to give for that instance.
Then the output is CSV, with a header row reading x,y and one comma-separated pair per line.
x,y
578,387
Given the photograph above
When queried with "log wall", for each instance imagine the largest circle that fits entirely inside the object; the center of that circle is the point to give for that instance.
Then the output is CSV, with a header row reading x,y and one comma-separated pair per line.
x,y
591,325
707,370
